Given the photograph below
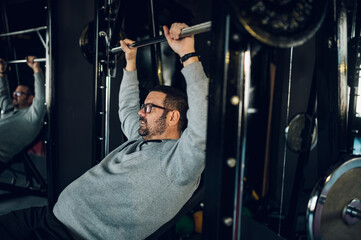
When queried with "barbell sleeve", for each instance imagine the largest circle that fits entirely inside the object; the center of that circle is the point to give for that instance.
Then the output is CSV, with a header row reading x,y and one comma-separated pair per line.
x,y
193,30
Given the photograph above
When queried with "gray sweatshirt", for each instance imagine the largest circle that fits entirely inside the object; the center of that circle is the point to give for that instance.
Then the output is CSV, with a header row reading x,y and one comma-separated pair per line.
x,y
141,185
19,127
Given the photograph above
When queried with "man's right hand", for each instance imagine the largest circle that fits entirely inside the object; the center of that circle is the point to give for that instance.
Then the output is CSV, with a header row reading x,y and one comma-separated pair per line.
x,y
32,64
3,66
130,54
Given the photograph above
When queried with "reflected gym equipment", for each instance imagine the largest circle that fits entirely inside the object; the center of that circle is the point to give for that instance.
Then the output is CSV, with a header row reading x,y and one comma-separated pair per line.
x,y
334,206
86,43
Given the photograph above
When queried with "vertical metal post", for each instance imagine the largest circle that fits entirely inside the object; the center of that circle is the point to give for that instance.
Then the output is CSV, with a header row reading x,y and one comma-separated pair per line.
x,y
227,130
341,24
97,66
107,85
354,74
218,223
49,91
155,48
244,83
107,110
227,133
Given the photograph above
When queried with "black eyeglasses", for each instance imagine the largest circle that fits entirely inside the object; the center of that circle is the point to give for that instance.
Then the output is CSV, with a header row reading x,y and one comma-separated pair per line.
x,y
147,108
19,93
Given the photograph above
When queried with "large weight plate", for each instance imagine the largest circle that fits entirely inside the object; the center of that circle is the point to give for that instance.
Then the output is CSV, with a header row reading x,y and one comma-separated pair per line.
x,y
86,43
294,130
328,200
280,23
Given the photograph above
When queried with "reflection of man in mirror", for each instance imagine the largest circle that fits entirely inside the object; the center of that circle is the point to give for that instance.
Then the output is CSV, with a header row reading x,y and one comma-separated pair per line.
x,y
21,117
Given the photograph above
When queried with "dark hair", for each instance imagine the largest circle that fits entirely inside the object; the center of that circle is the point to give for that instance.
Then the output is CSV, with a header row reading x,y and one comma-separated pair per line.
x,y
30,88
175,99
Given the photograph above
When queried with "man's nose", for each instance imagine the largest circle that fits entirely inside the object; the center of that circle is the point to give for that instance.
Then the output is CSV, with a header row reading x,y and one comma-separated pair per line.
x,y
141,112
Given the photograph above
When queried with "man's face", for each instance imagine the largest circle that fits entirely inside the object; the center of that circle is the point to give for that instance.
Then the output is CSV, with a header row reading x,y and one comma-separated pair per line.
x,y
153,125
24,100
2,65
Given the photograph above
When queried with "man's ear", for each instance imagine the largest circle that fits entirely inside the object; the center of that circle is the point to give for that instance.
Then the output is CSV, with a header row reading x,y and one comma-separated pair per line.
x,y
30,99
174,118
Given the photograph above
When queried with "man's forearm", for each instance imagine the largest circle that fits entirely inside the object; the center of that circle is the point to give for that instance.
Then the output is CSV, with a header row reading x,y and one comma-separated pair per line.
x,y
39,85
131,66
129,103
5,99
38,106
37,69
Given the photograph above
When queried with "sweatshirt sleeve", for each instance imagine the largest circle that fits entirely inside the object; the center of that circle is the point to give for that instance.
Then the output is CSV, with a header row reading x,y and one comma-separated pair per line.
x,y
189,154
129,104
37,108
5,98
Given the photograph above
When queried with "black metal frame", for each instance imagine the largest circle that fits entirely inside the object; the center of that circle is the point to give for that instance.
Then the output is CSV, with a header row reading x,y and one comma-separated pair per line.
x,y
216,169
227,129
99,148
50,167
103,68
354,62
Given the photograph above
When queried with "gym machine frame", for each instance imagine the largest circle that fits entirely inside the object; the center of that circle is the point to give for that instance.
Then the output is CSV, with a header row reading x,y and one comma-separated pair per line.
x,y
104,70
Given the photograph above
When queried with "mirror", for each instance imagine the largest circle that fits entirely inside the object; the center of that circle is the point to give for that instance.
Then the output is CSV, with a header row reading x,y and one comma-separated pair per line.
x,y
23,130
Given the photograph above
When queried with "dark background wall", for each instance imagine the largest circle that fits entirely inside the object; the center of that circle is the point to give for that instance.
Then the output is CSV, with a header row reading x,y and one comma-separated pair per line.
x,y
73,105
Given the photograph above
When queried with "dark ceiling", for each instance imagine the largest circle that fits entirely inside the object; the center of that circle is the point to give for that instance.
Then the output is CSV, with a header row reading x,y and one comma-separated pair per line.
x,y
18,16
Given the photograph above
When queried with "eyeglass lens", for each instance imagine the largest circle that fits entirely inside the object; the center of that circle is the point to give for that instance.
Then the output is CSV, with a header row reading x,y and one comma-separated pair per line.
x,y
18,93
147,108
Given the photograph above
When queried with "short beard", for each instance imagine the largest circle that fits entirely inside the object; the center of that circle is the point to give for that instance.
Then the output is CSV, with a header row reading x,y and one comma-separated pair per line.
x,y
15,103
159,129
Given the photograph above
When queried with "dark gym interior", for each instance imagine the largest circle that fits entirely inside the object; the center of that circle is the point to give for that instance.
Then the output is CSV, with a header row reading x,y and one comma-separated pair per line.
x,y
283,114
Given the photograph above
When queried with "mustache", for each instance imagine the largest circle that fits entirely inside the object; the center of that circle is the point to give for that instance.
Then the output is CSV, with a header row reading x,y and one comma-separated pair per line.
x,y
143,119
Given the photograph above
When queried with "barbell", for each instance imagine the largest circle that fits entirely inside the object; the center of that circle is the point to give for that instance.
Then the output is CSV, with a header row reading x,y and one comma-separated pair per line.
x,y
193,30
24,61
